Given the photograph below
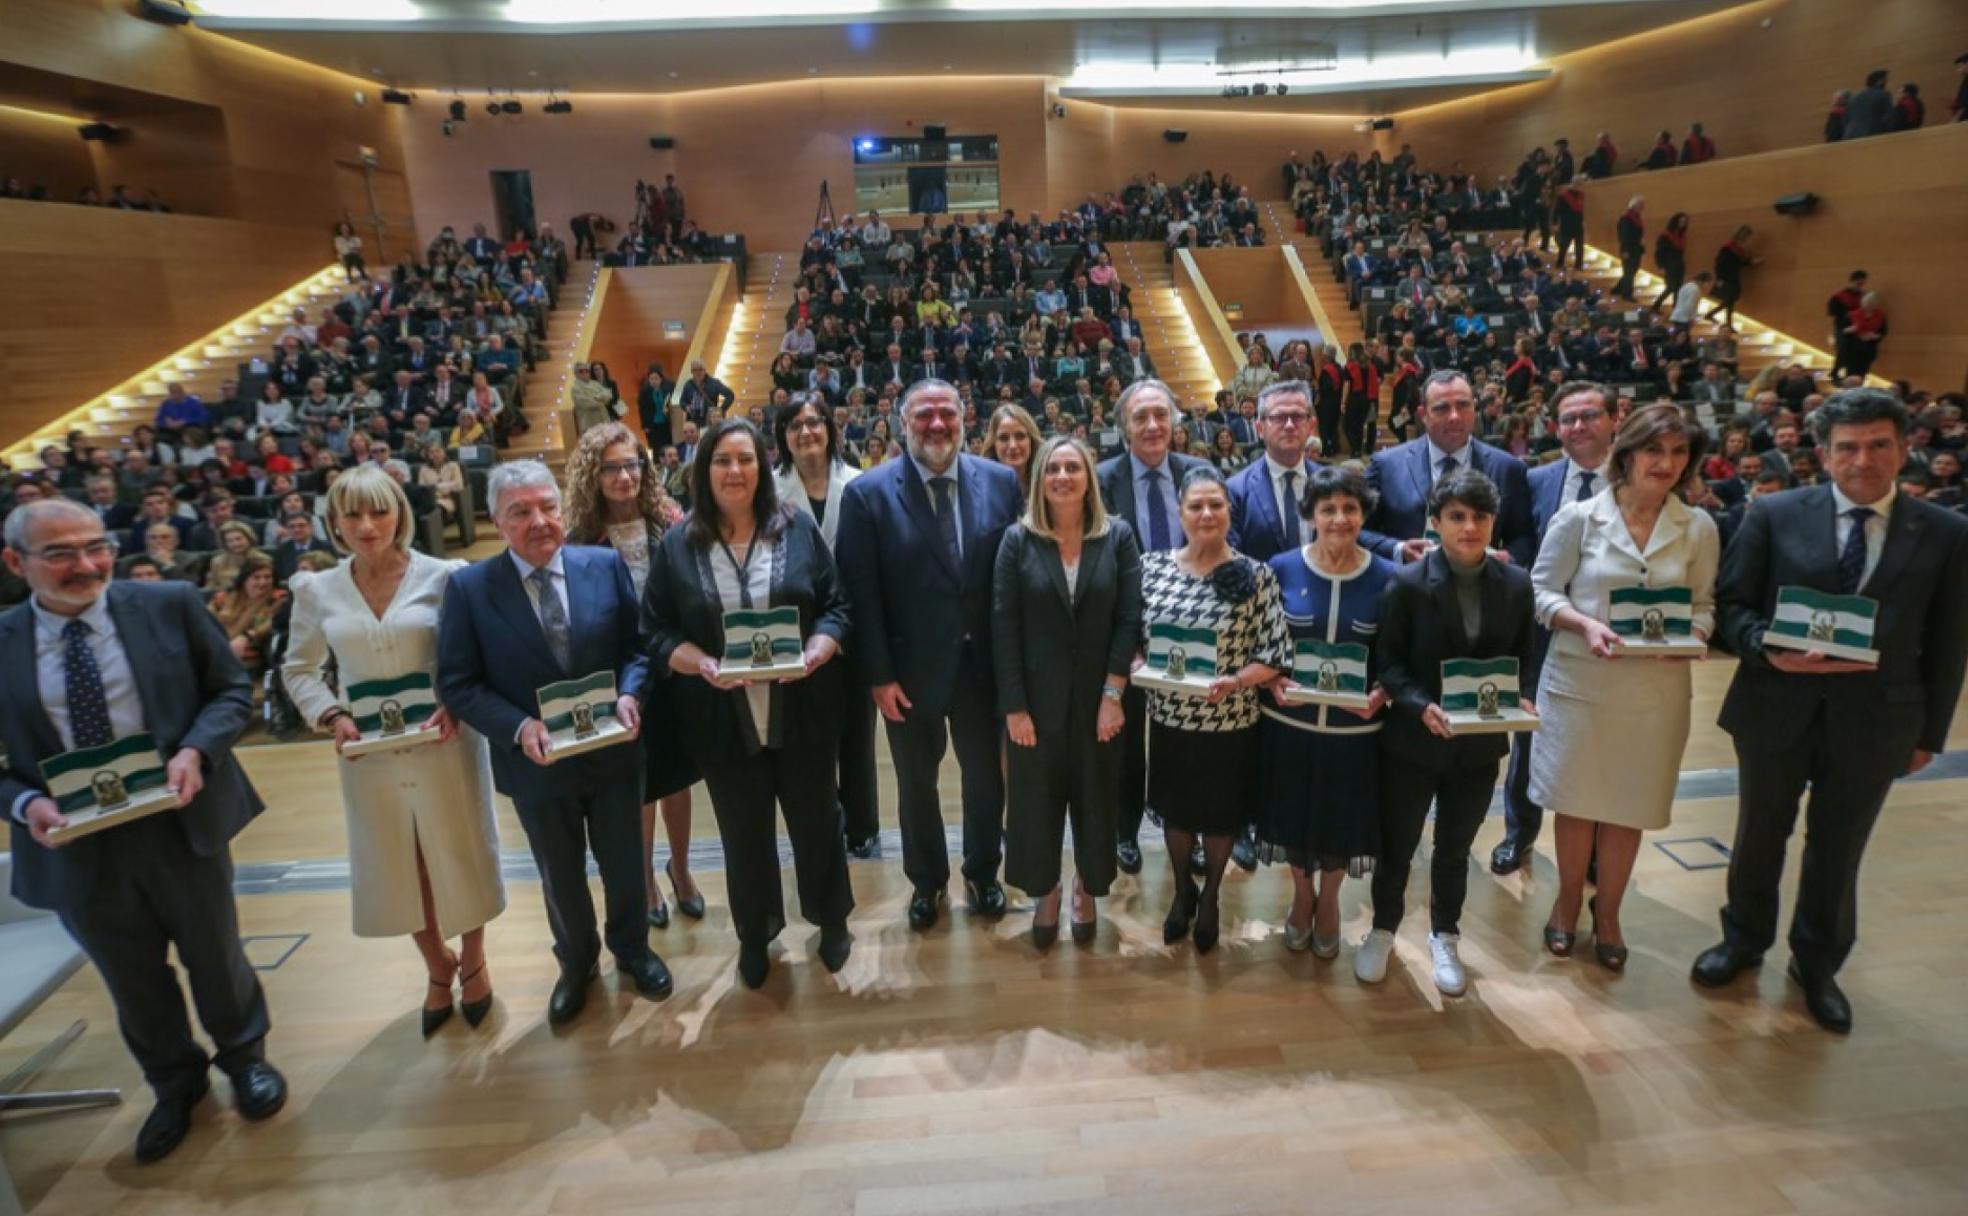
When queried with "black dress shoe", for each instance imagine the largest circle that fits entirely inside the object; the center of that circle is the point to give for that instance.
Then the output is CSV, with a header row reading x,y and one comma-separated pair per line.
x,y
1509,857
1824,998
659,916
754,964
168,1123
1127,855
259,1091
865,850
835,945
1720,964
1181,912
647,972
1244,852
922,908
1207,917
570,996
986,899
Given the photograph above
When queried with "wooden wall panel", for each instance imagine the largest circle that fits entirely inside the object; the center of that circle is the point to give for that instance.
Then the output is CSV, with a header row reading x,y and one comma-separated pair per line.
x,y
1255,280
108,293
41,151
1893,206
628,333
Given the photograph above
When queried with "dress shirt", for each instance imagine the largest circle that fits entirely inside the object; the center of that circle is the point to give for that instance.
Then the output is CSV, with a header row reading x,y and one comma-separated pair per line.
x,y
557,570
51,677
1277,473
1436,455
1171,506
757,573
1569,492
956,493
1875,528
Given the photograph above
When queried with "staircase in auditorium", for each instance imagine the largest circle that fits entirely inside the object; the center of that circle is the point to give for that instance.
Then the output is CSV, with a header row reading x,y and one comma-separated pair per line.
x,y
545,386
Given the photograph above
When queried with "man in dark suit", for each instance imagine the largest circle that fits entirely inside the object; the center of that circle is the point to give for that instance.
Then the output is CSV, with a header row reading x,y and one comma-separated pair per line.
x,y
1143,486
115,516
1584,413
918,544
1401,476
87,663
702,392
1847,729
300,540
1264,494
540,613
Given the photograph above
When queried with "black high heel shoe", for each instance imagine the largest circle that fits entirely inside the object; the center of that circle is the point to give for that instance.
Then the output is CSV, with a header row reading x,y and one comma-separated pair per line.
x,y
1611,957
434,1018
693,907
1181,912
474,1011
1208,919
659,916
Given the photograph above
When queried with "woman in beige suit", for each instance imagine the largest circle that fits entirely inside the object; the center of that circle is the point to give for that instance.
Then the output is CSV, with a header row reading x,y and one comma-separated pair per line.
x,y
423,845
1613,728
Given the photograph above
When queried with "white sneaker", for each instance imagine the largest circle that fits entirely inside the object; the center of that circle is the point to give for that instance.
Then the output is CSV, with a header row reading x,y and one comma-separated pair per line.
x,y
1370,963
1449,976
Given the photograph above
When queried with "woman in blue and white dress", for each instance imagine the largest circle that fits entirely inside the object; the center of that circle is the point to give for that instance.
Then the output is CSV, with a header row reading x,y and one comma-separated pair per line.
x,y
1318,766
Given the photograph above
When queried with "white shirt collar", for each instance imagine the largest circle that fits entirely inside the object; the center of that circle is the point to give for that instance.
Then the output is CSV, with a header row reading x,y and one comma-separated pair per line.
x,y
1436,456
1882,508
50,624
557,564
923,471
1276,470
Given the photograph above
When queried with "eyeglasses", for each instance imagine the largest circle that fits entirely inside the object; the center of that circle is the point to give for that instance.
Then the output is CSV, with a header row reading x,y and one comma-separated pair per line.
x,y
1288,417
806,424
625,468
1580,417
68,555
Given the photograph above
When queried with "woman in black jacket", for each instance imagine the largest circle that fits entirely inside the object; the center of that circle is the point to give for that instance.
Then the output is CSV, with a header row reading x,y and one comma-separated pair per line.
x,y
1730,262
757,742
1671,255
1065,620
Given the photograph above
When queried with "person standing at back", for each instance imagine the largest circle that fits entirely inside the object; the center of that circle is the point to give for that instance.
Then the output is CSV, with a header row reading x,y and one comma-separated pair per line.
x,y
917,544
1870,111
1846,729
1402,477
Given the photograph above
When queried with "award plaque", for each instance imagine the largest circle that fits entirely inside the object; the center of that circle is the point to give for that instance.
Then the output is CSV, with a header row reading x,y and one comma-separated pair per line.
x,y
1481,697
762,644
1655,622
391,713
1836,626
1329,673
103,787
580,715
1181,660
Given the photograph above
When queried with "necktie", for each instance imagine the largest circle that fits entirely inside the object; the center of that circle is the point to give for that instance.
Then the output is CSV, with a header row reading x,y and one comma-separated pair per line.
x,y
946,517
1585,484
1158,528
1293,537
553,617
1449,466
1852,559
88,706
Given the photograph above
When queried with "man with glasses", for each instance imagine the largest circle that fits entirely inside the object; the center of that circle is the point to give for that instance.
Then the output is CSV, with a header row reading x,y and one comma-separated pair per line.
x,y
1584,413
1402,477
88,663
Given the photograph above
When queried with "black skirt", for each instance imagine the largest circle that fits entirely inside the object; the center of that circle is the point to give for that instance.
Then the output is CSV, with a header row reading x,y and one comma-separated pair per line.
x,y
666,767
1203,782
1318,797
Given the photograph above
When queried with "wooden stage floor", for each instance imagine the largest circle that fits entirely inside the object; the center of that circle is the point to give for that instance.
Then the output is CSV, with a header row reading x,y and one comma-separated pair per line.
x,y
958,1071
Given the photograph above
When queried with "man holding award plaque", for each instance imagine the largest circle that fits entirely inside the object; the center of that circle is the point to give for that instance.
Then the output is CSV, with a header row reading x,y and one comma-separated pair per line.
x,y
1847,728
87,665
513,627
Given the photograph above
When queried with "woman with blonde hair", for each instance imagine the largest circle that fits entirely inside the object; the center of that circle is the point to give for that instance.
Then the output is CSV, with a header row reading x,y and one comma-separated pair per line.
x,y
1011,439
423,843
1065,620
444,475
615,499
237,541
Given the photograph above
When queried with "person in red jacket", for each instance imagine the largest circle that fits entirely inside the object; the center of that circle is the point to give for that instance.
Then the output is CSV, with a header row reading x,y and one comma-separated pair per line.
x,y
1662,156
1632,246
1362,399
1570,213
1840,307
1909,111
1698,147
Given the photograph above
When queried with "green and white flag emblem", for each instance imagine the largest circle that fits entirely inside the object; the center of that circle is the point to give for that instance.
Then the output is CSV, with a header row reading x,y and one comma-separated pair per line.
x,y
761,637
1181,653
1330,667
391,707
1482,686
1652,614
578,705
1814,620
106,777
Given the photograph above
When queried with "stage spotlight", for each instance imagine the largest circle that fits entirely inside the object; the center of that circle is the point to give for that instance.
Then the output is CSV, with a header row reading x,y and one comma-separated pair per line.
x,y
867,145
559,107
457,111
511,107
492,108
1282,88
395,97
1260,89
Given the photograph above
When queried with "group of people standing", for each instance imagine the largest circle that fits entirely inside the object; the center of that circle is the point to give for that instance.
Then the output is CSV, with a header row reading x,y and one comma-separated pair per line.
x,y
1009,624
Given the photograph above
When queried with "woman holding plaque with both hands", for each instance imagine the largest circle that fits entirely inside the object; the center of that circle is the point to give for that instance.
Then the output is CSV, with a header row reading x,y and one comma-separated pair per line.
x,y
1319,765
1065,620
423,845
1456,602
1614,727
1202,750
759,743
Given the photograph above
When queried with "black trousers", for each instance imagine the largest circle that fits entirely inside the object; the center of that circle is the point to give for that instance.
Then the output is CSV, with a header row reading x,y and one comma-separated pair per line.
x,y
1134,764
1327,408
918,743
1068,777
1461,792
596,811
1523,818
859,804
1573,238
1672,275
1359,411
1629,267
153,894
1538,218
1848,782
744,795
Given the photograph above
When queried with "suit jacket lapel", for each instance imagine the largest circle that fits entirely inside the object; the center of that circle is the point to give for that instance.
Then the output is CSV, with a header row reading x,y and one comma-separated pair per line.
x,y
17,650
1668,527
914,496
1265,509
1821,534
1902,535
584,589
1419,471
513,603
1442,580
133,629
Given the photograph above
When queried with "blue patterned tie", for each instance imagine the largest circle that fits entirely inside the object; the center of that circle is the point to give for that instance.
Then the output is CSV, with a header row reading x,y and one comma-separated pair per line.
x,y
1158,529
1852,559
1293,537
88,706
553,616
1449,466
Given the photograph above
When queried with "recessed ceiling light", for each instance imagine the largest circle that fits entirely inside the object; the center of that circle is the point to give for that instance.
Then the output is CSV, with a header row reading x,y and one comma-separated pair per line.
x,y
946,67
375,71
673,75
813,71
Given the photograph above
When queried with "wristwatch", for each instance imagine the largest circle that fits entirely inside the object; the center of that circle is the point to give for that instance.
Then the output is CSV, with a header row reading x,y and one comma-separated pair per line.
x,y
1110,691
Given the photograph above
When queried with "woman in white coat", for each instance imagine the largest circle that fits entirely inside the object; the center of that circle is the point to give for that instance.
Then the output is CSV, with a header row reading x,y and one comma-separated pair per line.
x,y
1613,728
813,470
423,844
